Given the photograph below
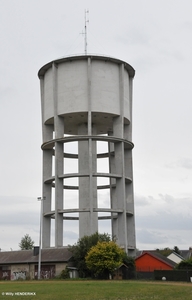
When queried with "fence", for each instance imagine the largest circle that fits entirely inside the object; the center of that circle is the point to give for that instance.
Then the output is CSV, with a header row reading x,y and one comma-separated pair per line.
x,y
174,275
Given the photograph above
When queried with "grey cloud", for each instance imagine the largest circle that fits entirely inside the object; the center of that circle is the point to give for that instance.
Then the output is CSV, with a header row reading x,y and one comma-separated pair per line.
x,y
19,211
164,220
133,37
187,25
19,218
165,213
185,163
151,237
71,235
167,198
6,93
141,200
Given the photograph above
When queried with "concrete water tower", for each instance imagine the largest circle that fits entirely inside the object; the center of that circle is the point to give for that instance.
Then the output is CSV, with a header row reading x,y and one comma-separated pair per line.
x,y
87,99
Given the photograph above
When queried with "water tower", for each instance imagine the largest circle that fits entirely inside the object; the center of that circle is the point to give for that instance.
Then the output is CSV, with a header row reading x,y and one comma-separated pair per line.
x,y
87,99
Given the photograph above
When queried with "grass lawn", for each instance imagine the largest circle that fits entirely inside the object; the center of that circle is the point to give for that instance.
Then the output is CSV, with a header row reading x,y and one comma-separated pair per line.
x,y
95,290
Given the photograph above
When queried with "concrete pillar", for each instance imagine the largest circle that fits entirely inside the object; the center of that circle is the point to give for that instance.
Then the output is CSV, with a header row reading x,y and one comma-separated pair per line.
x,y
88,223
59,133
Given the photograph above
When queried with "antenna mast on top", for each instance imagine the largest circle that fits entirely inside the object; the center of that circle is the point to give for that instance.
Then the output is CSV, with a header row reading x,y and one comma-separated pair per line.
x,y
85,33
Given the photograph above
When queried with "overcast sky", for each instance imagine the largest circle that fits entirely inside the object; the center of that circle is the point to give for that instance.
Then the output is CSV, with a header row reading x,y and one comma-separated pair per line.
x,y
153,36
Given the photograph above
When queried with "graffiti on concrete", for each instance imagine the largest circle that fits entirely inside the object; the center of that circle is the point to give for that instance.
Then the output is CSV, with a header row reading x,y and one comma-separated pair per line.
x,y
47,272
18,275
5,275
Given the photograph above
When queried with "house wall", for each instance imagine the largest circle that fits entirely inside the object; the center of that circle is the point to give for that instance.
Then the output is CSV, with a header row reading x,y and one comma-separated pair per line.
x,y
50,270
59,267
32,271
147,263
20,271
29,271
47,271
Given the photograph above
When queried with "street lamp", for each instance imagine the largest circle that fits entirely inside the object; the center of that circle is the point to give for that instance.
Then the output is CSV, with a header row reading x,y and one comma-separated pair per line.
x,y
40,236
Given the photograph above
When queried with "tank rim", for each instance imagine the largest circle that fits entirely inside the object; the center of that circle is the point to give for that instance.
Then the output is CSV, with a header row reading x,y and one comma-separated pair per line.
x,y
47,66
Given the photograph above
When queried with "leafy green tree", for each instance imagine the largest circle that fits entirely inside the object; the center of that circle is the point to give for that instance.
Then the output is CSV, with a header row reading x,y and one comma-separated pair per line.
x,y
26,242
185,264
81,249
104,258
129,261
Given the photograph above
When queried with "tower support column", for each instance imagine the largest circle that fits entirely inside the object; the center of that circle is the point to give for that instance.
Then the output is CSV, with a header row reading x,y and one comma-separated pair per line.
x,y
88,219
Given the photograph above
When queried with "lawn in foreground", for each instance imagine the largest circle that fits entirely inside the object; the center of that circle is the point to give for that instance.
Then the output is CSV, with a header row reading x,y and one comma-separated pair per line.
x,y
95,290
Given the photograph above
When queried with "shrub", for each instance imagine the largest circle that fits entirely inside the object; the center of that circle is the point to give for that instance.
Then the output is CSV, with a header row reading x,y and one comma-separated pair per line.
x,y
64,274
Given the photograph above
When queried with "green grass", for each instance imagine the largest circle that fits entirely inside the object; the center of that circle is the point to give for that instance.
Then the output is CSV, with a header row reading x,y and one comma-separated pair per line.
x,y
96,290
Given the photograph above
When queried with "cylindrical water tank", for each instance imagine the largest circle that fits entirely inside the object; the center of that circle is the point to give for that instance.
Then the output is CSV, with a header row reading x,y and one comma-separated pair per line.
x,y
88,100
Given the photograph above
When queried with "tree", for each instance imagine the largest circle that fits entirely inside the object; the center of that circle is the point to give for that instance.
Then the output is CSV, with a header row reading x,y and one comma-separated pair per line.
x,y
104,258
64,274
129,261
26,242
185,264
176,250
81,249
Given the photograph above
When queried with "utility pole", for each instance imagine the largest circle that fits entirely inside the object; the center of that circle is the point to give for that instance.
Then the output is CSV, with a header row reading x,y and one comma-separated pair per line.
x,y
40,236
